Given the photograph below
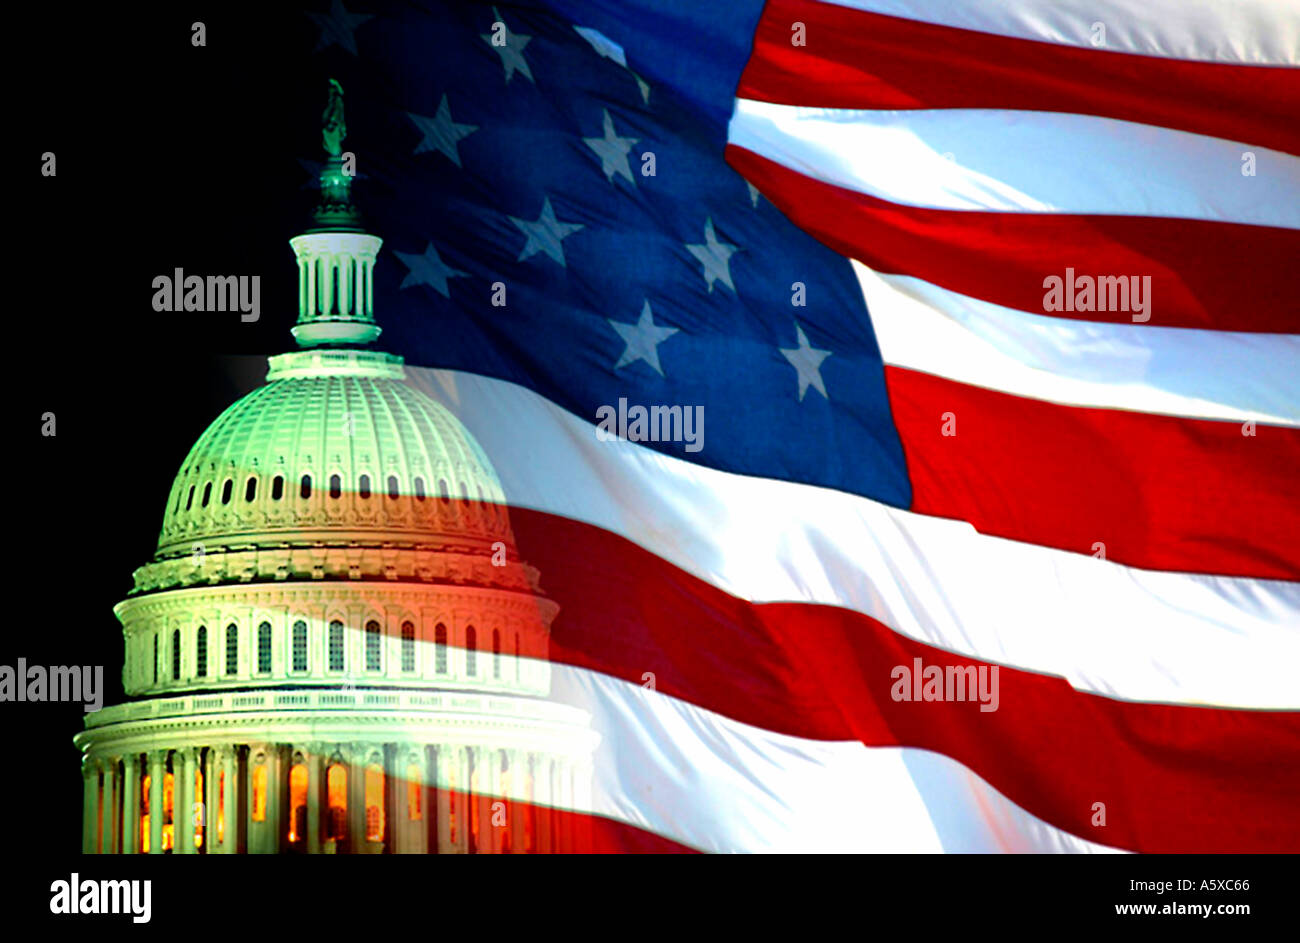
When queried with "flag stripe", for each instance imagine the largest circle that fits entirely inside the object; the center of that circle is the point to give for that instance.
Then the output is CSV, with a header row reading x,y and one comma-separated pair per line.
x,y
1023,162
1248,31
1172,371
1110,629
1159,492
860,59
717,784
1203,274
1223,779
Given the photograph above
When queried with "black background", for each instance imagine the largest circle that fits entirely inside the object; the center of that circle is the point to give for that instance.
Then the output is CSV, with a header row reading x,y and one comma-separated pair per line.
x,y
170,155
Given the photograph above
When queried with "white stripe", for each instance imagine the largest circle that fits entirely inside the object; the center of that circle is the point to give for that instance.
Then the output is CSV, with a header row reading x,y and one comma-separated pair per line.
x,y
1254,32
716,784
1142,367
1023,162
1109,629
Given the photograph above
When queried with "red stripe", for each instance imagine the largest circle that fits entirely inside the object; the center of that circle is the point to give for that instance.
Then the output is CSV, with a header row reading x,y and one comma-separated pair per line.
x,y
1161,492
1173,778
856,59
1204,274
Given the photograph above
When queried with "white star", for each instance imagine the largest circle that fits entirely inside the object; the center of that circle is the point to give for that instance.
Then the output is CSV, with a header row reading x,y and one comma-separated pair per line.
x,y
807,361
642,339
714,256
612,151
753,193
608,49
546,234
428,269
441,133
512,53
337,25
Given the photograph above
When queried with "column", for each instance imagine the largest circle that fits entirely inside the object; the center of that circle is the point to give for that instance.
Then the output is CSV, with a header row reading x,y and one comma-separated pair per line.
x,y
89,805
545,801
311,285
210,802
357,799
563,832
315,787
108,783
183,766
518,800
130,804
157,770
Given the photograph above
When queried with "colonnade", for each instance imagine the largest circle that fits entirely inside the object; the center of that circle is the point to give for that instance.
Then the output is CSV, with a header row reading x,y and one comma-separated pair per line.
x,y
332,797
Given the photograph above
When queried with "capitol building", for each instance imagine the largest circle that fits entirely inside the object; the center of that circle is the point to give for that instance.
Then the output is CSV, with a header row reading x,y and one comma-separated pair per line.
x,y
323,654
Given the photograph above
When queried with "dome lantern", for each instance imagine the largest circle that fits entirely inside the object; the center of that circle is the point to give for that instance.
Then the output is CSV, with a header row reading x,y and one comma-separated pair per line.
x,y
336,257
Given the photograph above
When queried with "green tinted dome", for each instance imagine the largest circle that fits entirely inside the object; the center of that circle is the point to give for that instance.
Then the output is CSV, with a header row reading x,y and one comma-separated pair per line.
x,y
335,448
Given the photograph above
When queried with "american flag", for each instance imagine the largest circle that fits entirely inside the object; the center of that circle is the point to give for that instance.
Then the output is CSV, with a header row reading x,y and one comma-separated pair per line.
x,y
989,311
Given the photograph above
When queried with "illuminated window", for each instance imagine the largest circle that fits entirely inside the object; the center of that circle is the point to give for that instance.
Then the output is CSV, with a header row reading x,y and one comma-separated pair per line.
x,y
264,647
145,782
201,652
374,802
372,646
300,646
277,488
471,651
392,487
440,648
413,790
336,794
250,490
336,646
176,654
259,792
221,808
232,649
408,646
198,820
304,489
297,800
496,653
168,829
364,489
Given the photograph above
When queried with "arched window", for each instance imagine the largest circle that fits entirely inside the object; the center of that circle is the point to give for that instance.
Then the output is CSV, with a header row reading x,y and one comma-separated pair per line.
x,y
408,646
250,490
336,486
443,492
277,487
304,489
439,649
189,501
496,653
373,662
232,649
264,647
374,802
176,654
300,646
392,488
207,493
336,646
471,651
201,653
225,491
155,658
297,800
419,488
336,794
363,487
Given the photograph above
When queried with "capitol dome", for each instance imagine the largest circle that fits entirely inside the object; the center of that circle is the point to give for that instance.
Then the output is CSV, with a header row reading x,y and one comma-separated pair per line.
x,y
336,646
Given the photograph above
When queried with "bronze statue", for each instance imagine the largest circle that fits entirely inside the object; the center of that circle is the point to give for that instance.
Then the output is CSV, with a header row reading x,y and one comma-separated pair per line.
x,y
333,127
